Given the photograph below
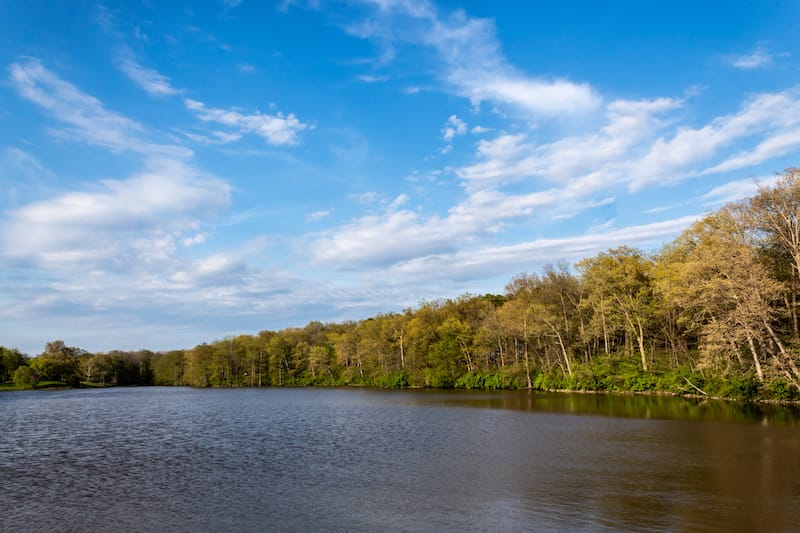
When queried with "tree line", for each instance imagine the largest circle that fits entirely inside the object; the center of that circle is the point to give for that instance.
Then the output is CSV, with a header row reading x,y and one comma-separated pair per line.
x,y
714,312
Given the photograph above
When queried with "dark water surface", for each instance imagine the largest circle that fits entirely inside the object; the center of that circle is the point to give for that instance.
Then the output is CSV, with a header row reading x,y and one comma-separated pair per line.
x,y
175,459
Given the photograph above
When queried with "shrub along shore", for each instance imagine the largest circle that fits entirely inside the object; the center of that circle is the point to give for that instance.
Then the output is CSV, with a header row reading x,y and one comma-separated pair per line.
x,y
713,313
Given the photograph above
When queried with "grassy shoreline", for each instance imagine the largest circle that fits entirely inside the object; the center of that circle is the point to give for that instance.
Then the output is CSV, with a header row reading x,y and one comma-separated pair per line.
x,y
53,386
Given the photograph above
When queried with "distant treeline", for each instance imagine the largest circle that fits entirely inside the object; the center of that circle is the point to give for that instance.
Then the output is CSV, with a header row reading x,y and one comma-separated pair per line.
x,y
714,312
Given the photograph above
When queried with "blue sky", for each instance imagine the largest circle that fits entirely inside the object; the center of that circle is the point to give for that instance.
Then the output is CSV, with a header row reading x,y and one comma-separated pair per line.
x,y
173,173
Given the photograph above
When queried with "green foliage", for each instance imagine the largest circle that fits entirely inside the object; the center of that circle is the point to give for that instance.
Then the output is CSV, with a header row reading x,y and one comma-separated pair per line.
x,y
481,380
781,389
395,380
746,387
10,360
438,379
23,377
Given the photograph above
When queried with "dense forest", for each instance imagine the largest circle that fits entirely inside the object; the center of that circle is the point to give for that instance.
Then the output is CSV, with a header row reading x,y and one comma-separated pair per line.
x,y
715,312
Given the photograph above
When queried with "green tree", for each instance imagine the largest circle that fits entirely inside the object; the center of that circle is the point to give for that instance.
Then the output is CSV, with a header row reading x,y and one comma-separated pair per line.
x,y
618,282
23,376
58,362
10,360
169,368
725,294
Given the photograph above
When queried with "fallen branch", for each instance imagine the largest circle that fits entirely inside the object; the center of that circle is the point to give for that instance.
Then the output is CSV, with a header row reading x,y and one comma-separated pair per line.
x,y
695,387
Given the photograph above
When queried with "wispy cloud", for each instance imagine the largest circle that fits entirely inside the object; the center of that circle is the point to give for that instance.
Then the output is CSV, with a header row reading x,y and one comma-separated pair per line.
x,y
736,190
26,166
770,121
453,127
368,78
486,261
86,118
758,58
213,137
318,215
470,60
149,80
277,129
84,114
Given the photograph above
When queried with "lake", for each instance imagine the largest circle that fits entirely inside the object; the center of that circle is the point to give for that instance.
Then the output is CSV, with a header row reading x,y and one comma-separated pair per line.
x,y
179,459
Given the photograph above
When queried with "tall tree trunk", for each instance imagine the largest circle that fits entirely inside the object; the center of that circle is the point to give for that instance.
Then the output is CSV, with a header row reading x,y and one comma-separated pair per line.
x,y
759,372
528,367
563,348
793,312
402,352
642,351
500,351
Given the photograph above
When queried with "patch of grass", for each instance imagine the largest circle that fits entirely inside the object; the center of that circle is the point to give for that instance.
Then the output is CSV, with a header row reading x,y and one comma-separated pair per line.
x,y
50,385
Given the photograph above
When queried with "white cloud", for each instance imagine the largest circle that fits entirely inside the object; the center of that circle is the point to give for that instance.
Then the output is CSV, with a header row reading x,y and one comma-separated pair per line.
x,y
736,190
318,215
214,137
380,240
86,117
758,58
477,130
510,158
149,80
505,159
781,143
542,97
670,160
471,62
210,271
85,114
416,89
400,235
453,127
369,197
367,78
115,222
194,240
639,147
277,129
487,261
400,200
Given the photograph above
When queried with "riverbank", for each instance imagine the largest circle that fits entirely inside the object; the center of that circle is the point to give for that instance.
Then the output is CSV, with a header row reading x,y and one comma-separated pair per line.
x,y
55,386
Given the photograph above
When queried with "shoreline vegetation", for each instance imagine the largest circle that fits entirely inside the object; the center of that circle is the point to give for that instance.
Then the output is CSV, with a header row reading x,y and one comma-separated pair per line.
x,y
713,314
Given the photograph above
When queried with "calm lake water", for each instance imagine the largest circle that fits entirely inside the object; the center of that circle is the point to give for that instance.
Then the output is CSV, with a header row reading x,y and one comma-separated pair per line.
x,y
176,459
